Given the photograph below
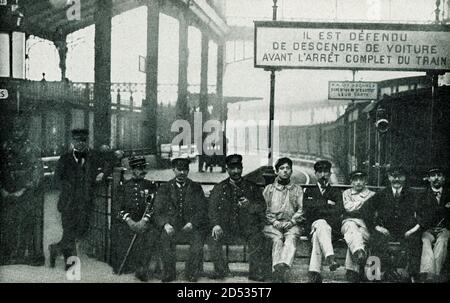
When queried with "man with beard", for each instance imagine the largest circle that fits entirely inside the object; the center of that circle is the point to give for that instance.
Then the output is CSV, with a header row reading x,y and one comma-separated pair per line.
x,y
284,214
135,198
237,212
391,217
181,213
354,229
323,211
76,174
21,206
434,214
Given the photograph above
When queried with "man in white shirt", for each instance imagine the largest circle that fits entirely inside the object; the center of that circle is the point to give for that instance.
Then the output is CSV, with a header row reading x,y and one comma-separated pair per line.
x,y
284,213
354,228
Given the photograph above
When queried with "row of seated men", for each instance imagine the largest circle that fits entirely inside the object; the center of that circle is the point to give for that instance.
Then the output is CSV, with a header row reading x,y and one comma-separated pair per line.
x,y
237,209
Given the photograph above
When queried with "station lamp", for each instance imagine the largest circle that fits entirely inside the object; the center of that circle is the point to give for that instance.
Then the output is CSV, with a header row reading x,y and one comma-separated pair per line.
x,y
381,121
12,41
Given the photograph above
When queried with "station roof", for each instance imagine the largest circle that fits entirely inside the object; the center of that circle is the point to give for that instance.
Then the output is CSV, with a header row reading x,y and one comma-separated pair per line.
x,y
49,18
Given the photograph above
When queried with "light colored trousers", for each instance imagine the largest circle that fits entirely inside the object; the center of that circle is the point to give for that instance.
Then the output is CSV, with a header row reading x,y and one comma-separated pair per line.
x,y
433,259
356,236
321,244
284,244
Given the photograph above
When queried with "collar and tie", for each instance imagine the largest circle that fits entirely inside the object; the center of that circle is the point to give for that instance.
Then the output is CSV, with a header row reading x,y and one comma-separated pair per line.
x,y
437,194
79,157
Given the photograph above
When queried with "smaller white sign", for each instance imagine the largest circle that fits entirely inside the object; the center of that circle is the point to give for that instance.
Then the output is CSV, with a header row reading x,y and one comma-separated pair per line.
x,y
349,90
3,93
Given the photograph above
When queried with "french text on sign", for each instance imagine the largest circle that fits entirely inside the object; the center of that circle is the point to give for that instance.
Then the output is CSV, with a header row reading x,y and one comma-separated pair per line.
x,y
408,47
348,90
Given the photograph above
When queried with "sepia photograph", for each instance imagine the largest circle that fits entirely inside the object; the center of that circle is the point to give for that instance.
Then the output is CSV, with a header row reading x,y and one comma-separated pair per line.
x,y
224,146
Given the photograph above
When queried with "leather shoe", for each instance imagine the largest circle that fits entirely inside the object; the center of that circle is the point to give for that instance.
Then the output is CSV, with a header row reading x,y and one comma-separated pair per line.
x,y
256,278
333,265
168,279
218,275
314,277
280,272
53,249
191,278
141,275
352,276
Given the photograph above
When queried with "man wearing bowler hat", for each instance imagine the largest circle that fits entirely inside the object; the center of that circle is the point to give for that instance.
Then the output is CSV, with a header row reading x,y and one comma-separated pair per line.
x,y
76,173
237,211
323,212
181,214
434,214
392,217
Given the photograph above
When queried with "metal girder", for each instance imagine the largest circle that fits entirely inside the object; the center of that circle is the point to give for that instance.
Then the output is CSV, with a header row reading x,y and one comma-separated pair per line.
x,y
44,20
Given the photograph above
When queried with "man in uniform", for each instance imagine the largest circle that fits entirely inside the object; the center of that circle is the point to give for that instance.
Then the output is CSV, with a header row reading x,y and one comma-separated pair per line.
x,y
237,211
392,217
434,218
75,175
136,210
354,228
21,198
323,211
181,214
284,214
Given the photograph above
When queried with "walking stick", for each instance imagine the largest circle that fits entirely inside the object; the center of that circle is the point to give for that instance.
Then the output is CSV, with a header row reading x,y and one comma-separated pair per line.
x,y
149,211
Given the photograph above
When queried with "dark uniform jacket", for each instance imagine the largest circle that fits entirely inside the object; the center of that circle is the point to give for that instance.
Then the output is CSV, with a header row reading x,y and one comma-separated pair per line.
x,y
134,195
316,206
77,182
397,215
430,212
193,207
224,209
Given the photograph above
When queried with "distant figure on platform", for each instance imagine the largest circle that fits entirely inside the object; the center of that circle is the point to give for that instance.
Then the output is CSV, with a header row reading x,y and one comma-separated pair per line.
x,y
21,207
43,81
284,214
323,211
76,174
136,211
354,228
434,212
237,211
392,217
181,214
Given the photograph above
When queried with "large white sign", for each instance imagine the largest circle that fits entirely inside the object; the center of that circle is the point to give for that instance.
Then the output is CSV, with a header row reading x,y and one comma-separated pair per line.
x,y
349,90
352,46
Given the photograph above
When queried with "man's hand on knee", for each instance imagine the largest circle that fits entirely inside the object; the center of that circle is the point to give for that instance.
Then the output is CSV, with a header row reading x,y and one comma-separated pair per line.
x,y
217,232
169,229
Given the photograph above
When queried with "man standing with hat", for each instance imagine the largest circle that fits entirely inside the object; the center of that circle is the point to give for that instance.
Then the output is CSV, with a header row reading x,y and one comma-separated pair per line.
x,y
135,198
354,228
284,214
391,217
237,211
434,214
323,211
21,206
75,175
181,213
